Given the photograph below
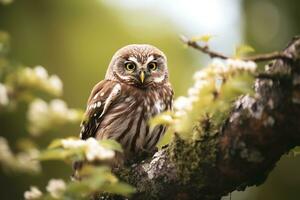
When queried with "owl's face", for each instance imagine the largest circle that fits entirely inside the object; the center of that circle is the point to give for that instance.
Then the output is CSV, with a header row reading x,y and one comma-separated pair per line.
x,y
138,65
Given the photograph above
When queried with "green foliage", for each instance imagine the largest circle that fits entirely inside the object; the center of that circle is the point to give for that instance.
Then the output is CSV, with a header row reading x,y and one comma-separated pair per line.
x,y
72,149
99,179
34,87
242,50
209,100
95,179
202,38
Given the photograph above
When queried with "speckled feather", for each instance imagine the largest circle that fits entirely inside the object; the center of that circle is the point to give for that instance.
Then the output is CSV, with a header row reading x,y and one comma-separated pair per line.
x,y
126,117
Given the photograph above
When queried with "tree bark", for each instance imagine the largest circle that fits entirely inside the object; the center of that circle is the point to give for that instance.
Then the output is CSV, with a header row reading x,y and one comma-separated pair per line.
x,y
257,133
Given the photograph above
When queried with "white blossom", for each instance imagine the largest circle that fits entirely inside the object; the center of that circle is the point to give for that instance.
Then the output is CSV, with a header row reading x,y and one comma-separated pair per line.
x,y
199,84
251,66
219,66
241,65
38,78
28,160
200,75
181,103
180,113
33,193
41,72
5,152
193,91
37,116
193,99
58,107
23,161
3,95
73,115
95,151
72,143
56,188
92,149
55,84
230,62
42,116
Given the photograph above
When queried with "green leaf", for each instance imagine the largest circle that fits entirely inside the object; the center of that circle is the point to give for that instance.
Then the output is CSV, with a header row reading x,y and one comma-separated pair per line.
x,y
61,154
111,144
97,179
202,38
55,144
242,50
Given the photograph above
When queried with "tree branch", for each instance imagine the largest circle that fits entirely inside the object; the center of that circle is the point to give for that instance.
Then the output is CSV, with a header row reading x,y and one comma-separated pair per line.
x,y
213,54
257,133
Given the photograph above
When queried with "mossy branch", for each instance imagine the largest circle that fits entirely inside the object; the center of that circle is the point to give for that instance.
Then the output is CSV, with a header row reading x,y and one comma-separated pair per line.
x,y
258,131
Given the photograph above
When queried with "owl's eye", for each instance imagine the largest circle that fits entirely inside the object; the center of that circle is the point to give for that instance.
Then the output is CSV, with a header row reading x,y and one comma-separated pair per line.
x,y
130,66
152,66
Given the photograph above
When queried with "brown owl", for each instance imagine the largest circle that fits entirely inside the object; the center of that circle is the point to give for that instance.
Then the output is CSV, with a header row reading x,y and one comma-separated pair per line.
x,y
135,89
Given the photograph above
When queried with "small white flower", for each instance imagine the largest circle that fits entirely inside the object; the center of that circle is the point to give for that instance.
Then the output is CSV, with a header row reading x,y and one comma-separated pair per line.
x,y
38,107
200,75
42,116
33,193
38,116
240,64
230,63
95,151
74,115
5,152
28,160
251,66
72,143
234,64
199,84
3,95
193,99
56,187
180,113
182,103
41,72
56,84
219,66
58,106
193,91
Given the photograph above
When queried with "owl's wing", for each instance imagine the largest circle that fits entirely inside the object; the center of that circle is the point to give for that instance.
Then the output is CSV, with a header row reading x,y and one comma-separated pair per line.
x,y
101,97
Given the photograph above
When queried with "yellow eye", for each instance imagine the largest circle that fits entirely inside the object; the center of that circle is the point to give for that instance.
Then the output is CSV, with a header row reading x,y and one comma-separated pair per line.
x,y
130,66
152,66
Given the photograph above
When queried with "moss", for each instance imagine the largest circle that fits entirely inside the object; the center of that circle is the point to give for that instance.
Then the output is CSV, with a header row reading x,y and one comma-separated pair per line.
x,y
192,156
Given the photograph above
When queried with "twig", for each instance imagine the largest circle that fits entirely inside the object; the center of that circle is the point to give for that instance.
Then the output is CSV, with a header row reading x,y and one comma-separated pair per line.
x,y
257,58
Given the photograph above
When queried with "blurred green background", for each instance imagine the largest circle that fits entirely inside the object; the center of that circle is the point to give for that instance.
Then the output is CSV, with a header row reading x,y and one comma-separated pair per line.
x,y
76,39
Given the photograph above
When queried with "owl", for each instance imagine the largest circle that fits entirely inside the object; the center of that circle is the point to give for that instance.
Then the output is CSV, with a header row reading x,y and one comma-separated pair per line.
x,y
135,89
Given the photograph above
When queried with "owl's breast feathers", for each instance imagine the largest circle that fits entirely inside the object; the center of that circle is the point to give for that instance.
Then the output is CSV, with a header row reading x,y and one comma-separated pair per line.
x,y
121,112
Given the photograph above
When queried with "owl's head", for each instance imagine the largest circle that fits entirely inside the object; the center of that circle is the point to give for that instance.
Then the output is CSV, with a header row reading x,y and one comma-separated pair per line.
x,y
138,64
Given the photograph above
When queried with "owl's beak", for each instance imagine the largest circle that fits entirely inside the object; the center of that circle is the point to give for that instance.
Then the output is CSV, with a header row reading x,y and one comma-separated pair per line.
x,y
142,76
